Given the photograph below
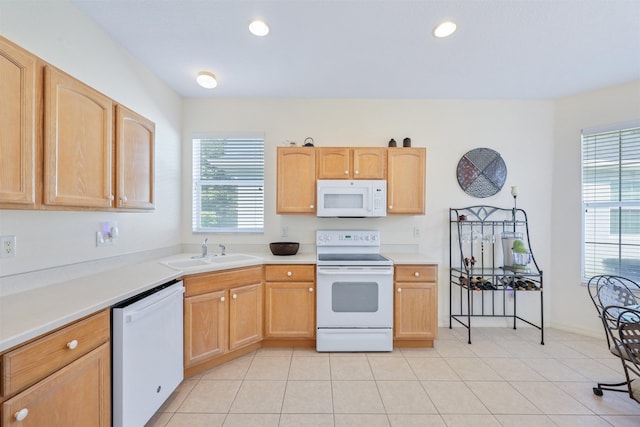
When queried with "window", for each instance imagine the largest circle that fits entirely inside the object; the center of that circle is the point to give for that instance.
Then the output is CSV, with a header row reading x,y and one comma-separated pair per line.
x,y
228,185
611,202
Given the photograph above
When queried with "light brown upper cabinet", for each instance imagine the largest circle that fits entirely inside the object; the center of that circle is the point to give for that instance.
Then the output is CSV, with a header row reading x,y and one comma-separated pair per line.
x,y
135,136
18,120
406,180
78,148
296,188
351,163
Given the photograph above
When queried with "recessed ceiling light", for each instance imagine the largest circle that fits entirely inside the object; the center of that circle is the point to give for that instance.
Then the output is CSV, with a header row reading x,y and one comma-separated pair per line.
x,y
444,29
207,79
258,28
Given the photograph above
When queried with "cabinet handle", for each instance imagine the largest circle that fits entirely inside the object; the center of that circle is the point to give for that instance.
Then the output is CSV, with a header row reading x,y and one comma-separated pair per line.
x,y
21,414
310,289
399,290
222,299
289,273
235,296
71,345
417,274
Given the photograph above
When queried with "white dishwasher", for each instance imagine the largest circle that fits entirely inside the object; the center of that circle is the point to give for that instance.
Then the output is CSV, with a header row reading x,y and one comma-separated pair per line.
x,y
147,353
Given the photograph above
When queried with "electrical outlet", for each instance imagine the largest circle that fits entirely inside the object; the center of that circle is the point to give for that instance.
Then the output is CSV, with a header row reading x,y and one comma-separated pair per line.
x,y
285,232
8,246
416,232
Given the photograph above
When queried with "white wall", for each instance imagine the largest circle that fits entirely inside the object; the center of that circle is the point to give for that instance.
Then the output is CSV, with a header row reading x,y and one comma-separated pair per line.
x,y
571,306
522,131
59,34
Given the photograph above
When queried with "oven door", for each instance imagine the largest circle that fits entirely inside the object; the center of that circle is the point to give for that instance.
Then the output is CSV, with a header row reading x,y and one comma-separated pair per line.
x,y
354,297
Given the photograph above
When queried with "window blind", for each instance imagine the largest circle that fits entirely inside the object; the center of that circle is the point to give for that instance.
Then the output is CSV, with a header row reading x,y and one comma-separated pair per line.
x,y
611,202
228,185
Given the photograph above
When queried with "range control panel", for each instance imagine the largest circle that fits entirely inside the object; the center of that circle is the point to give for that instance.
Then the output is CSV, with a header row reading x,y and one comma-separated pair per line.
x,y
347,238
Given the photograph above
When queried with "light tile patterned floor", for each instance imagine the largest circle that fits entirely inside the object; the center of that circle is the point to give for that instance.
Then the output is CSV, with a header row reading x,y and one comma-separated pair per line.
x,y
505,378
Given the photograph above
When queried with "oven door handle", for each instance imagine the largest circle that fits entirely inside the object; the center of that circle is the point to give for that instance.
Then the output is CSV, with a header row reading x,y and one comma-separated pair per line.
x,y
364,271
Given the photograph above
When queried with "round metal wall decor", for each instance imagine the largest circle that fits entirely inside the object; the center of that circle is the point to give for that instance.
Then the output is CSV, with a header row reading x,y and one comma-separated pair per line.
x,y
481,172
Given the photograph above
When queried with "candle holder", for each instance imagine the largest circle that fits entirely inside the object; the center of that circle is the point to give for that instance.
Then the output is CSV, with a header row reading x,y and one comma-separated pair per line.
x,y
514,193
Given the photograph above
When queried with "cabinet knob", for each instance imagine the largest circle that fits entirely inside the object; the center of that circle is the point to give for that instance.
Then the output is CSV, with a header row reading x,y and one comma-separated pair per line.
x,y
111,198
310,289
399,290
123,199
222,299
390,206
235,296
311,206
72,344
289,273
346,172
21,414
357,172
417,274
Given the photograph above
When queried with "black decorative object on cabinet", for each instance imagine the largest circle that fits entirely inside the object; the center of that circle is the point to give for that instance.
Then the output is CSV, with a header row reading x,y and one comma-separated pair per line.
x,y
481,172
491,265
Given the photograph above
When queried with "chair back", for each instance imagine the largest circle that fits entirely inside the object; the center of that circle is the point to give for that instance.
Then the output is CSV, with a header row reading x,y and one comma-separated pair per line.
x,y
628,342
612,291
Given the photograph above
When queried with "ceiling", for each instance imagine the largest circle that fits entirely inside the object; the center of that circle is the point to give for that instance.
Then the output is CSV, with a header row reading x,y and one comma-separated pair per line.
x,y
517,49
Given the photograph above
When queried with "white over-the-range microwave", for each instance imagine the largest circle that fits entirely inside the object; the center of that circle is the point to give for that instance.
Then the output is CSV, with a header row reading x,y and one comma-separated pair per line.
x,y
355,198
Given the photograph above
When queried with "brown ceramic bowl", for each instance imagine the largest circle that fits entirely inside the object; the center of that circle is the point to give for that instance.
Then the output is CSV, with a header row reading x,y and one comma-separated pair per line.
x,y
284,248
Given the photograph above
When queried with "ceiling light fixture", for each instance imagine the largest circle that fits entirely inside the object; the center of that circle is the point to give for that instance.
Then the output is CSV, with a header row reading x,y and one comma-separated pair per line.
x,y
444,29
207,79
258,28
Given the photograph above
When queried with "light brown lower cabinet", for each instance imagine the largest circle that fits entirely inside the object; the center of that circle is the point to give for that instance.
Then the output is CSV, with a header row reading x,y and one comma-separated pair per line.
x,y
415,305
222,316
290,302
77,395
60,379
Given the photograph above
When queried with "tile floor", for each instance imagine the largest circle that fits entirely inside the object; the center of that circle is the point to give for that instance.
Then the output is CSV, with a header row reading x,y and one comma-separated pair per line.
x,y
505,378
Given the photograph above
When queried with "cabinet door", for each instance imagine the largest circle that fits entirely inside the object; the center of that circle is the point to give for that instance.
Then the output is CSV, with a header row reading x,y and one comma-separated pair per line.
x,y
77,143
290,310
369,163
205,327
245,315
406,180
17,126
333,163
296,192
416,314
135,136
77,395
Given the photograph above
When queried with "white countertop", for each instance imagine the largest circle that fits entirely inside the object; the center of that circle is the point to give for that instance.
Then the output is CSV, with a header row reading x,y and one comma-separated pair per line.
x,y
29,314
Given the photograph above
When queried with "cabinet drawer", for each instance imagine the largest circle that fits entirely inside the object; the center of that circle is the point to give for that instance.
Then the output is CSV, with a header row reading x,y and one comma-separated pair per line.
x,y
289,273
28,364
416,273
208,282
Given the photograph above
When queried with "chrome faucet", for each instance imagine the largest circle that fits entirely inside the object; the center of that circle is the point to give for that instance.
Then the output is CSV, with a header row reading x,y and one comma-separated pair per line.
x,y
204,247
222,248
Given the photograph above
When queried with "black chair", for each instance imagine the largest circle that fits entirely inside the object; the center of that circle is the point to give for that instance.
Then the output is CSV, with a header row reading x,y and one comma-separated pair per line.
x,y
612,291
627,341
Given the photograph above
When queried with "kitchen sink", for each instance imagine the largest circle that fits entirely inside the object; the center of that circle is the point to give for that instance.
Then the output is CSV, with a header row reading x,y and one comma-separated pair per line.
x,y
187,263
220,259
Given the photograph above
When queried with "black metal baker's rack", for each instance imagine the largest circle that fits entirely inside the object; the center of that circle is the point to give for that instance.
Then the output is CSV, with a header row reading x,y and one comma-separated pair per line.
x,y
482,287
